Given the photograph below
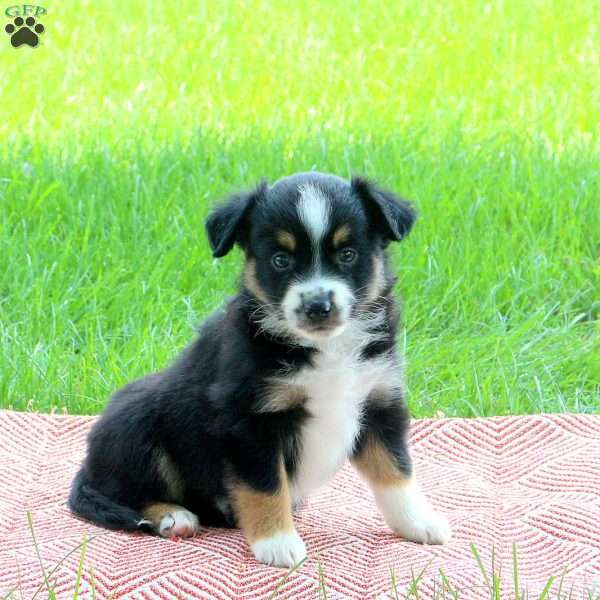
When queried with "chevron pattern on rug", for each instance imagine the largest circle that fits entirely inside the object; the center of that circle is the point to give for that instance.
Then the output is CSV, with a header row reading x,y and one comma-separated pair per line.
x,y
533,480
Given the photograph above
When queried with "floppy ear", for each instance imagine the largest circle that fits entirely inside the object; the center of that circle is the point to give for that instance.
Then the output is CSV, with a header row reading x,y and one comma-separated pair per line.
x,y
393,216
225,224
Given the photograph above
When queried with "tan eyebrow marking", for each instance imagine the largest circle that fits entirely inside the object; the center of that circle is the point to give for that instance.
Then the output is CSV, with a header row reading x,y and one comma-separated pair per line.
x,y
286,239
341,235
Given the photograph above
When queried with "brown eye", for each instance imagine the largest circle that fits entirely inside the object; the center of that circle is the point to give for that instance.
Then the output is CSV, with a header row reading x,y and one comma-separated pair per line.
x,y
281,261
347,256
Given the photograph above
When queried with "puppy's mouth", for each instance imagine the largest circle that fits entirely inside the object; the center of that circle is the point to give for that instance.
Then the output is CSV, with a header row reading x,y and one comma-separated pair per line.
x,y
319,331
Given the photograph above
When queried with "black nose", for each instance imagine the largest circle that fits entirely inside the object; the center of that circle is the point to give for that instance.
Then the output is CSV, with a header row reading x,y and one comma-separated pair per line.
x,y
317,309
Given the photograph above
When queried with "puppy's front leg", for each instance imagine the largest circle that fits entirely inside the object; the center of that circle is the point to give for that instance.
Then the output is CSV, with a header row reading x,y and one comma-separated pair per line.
x,y
383,459
266,519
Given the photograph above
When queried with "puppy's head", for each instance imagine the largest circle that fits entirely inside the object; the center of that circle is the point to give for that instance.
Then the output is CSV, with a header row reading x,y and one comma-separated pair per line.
x,y
314,248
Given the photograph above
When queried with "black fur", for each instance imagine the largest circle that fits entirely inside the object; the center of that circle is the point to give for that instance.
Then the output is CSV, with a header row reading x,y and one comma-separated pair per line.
x,y
205,411
393,215
225,226
389,424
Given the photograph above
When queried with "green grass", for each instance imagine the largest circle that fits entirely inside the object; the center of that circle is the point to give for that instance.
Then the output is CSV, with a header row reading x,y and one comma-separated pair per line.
x,y
124,127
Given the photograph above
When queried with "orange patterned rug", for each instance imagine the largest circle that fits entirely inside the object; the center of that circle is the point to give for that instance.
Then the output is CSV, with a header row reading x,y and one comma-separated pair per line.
x,y
533,481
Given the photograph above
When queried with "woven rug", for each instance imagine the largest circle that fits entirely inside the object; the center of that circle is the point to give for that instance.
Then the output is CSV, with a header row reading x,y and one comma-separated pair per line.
x,y
532,481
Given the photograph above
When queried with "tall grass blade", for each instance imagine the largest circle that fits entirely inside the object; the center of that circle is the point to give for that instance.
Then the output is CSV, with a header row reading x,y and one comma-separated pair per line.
x,y
394,583
37,553
546,589
414,589
80,568
447,585
286,577
322,587
481,567
515,564
560,583
62,560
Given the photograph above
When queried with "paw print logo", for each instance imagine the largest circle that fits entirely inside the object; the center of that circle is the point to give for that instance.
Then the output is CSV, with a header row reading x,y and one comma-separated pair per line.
x,y
24,32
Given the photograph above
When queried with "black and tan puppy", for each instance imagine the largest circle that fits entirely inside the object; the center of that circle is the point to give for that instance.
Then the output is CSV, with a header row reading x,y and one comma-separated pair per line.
x,y
296,374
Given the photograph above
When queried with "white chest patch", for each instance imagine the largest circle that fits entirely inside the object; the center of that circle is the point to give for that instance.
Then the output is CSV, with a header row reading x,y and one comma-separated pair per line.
x,y
336,389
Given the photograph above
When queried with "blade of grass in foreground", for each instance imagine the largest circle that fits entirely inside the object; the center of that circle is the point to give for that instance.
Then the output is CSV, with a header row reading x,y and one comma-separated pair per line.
x,y
547,587
322,588
39,557
80,567
413,589
516,583
62,560
496,580
93,582
448,585
286,577
560,583
394,583
481,567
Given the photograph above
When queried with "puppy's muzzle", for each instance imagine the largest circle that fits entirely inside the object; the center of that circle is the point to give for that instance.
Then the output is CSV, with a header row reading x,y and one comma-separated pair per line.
x,y
318,306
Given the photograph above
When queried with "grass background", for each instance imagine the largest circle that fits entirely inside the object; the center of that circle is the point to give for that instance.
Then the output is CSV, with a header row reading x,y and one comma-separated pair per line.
x,y
129,120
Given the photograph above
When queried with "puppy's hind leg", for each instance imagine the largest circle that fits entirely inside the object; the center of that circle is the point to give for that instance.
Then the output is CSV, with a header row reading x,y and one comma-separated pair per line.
x,y
171,520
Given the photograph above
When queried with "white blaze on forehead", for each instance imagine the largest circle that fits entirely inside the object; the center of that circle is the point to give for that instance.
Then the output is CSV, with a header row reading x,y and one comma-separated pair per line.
x,y
313,211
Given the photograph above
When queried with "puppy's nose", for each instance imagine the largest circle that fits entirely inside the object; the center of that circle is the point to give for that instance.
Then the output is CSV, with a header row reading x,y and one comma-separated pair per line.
x,y
317,308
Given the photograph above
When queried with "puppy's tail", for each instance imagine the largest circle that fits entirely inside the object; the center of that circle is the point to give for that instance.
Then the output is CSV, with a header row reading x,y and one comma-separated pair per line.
x,y
90,504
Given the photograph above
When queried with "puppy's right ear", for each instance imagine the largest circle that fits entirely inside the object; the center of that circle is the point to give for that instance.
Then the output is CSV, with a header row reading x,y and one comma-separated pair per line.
x,y
226,223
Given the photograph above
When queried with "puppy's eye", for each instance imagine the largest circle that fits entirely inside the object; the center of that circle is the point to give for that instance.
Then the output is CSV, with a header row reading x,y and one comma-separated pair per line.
x,y
281,261
347,256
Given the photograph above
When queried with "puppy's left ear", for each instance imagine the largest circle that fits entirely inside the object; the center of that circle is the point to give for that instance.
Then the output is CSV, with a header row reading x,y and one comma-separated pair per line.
x,y
226,224
392,216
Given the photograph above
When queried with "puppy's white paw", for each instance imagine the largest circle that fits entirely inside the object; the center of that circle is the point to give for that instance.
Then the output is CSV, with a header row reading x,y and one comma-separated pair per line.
x,y
408,513
427,527
280,550
178,523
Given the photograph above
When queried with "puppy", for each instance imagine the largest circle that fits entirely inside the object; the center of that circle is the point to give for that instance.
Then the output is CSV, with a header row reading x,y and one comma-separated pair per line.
x,y
296,374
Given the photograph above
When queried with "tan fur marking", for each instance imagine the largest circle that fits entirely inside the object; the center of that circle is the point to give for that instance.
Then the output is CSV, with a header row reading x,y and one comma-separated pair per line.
x,y
261,515
377,283
251,281
170,475
286,239
281,395
341,235
157,510
378,466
